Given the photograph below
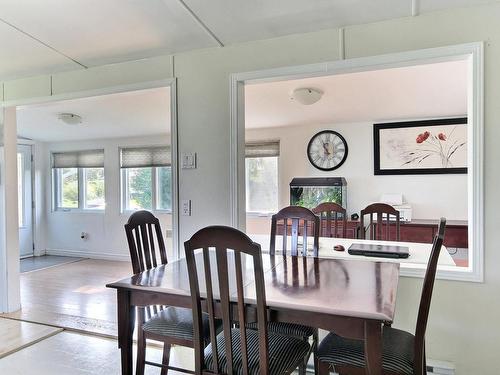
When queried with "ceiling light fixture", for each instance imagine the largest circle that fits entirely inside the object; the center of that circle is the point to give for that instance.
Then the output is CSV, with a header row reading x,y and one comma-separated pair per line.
x,y
306,95
70,118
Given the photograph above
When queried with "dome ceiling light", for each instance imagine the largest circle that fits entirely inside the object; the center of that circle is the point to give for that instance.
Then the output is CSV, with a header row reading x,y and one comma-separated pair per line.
x,y
306,95
70,118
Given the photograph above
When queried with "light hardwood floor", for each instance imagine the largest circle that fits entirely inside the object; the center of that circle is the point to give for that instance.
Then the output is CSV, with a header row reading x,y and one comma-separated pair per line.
x,y
73,296
70,353
17,335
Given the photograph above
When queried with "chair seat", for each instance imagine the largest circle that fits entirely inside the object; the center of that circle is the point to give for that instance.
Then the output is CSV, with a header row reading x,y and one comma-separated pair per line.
x,y
175,322
397,351
290,329
285,352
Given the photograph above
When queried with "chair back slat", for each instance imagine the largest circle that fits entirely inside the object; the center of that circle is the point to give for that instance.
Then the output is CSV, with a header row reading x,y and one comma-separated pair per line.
x,y
141,242
228,245
227,323
241,312
210,304
300,218
425,299
145,246
328,211
138,242
377,230
295,237
152,245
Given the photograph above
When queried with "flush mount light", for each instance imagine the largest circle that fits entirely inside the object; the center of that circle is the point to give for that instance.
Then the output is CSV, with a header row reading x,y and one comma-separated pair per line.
x,y
70,118
306,95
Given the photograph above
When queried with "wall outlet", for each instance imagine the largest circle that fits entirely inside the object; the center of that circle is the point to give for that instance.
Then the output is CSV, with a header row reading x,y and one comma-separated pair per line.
x,y
188,160
186,207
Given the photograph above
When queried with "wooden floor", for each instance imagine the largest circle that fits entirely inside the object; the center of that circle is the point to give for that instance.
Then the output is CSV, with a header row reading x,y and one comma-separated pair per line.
x,y
17,335
70,353
73,296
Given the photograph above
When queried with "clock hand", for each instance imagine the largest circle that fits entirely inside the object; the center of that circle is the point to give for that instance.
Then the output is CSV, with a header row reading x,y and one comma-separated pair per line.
x,y
325,147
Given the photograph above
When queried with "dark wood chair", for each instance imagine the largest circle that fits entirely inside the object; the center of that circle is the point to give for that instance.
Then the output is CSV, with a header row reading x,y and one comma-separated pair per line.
x,y
402,352
381,228
167,324
299,218
235,350
329,213
302,221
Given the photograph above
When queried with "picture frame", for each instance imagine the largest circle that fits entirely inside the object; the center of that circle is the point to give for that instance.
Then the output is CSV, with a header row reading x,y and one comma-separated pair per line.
x,y
437,146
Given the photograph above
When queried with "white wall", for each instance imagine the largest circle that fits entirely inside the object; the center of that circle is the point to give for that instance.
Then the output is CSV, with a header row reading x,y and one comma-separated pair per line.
x,y
431,196
463,325
106,235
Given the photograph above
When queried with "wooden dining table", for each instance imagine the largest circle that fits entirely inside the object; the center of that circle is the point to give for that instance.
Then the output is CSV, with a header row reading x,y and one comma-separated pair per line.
x,y
352,298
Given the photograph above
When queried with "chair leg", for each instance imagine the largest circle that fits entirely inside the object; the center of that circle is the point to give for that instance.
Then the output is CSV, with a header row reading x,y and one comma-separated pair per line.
x,y
315,350
322,367
141,353
166,358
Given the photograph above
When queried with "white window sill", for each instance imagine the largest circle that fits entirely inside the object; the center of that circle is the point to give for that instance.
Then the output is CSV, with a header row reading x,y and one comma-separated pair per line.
x,y
77,211
161,212
259,214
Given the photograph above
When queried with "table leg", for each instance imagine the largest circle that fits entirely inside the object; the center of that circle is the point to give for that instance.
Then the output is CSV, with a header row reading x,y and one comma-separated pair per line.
x,y
126,323
373,347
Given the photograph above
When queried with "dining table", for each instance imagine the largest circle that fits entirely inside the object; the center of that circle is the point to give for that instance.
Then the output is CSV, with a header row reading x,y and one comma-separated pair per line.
x,y
419,253
353,298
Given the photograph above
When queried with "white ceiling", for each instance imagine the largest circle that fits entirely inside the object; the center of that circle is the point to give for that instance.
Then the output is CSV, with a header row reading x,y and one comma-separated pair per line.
x,y
434,90
129,114
53,35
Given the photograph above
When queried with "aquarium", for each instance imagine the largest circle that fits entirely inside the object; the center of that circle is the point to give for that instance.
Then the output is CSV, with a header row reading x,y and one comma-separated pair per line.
x,y
311,191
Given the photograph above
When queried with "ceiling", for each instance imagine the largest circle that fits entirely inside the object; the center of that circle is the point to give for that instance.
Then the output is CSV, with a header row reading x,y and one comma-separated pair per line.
x,y
129,114
433,90
47,36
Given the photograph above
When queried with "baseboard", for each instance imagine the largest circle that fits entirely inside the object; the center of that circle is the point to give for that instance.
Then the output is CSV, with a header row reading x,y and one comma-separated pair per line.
x,y
88,254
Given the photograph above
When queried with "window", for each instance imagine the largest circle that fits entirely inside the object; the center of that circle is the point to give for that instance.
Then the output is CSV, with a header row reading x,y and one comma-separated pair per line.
x,y
146,178
261,177
78,180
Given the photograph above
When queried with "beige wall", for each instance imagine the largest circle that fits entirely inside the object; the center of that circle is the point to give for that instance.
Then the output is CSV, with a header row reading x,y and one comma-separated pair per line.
x,y
463,326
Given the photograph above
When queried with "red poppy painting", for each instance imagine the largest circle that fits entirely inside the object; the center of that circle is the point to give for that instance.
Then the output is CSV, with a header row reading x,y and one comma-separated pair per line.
x,y
421,147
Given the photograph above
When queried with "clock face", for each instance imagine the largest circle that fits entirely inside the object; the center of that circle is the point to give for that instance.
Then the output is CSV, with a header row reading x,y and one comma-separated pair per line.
x,y
327,150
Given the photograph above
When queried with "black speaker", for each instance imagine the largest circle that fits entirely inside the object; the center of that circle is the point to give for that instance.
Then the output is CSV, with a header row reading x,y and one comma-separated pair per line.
x,y
354,217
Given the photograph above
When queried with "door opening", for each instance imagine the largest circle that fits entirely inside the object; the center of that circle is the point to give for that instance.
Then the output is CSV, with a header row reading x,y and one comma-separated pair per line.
x,y
25,200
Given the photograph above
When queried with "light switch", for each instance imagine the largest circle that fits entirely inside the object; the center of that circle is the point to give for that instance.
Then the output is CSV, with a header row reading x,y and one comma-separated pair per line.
x,y
186,207
188,160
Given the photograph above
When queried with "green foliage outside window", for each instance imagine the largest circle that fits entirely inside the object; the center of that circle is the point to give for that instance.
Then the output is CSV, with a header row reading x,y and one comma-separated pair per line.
x,y
69,187
140,188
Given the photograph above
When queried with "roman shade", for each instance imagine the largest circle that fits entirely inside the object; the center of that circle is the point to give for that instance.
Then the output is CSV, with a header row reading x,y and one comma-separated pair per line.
x,y
141,157
262,149
78,159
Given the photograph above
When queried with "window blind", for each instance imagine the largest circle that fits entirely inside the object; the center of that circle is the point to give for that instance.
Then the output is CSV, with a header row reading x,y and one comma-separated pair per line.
x,y
78,159
140,157
262,149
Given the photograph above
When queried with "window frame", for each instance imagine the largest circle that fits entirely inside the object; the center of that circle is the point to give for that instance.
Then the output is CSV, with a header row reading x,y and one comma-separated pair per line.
x,y
57,193
124,191
264,213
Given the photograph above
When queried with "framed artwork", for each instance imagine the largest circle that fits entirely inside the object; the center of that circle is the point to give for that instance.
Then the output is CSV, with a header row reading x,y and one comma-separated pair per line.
x,y
420,147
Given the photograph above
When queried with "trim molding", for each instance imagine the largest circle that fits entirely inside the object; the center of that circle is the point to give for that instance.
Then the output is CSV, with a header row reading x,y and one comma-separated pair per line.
x,y
474,52
87,254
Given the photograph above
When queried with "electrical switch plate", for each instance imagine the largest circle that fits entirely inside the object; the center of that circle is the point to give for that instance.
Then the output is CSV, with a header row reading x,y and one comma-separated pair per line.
x,y
188,160
186,207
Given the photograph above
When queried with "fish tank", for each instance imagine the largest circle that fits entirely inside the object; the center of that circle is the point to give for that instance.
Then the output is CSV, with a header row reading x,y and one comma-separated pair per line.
x,y
309,192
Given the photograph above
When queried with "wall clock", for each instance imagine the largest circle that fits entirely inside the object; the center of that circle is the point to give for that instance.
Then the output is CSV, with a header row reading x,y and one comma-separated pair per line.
x,y
327,150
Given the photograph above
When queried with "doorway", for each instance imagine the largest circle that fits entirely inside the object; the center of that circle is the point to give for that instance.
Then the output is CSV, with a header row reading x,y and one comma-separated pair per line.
x,y
25,200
